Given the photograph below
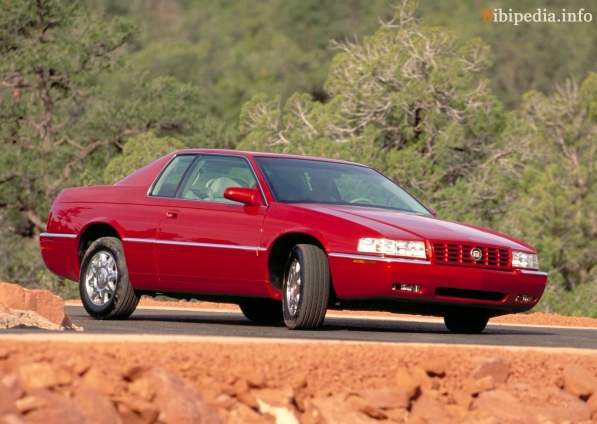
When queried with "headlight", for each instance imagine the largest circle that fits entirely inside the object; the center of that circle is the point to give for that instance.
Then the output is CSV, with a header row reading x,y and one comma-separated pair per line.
x,y
410,249
524,260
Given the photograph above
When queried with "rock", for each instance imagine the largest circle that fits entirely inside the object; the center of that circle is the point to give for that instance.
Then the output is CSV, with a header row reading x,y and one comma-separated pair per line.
x,y
77,364
143,389
53,408
404,381
42,302
333,410
457,412
4,352
97,380
436,367
178,400
592,403
422,378
365,407
7,401
248,399
251,376
474,387
48,305
578,381
63,376
4,309
397,414
242,414
428,409
461,398
135,411
282,396
96,408
478,417
555,405
12,383
31,403
13,296
282,415
11,419
37,375
27,319
386,398
223,401
503,406
495,366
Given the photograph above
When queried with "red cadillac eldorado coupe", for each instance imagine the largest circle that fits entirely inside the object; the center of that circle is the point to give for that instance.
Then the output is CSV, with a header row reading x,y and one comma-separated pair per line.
x,y
286,238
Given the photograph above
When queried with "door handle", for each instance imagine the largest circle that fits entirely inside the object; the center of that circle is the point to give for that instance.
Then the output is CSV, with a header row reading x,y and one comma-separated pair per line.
x,y
172,213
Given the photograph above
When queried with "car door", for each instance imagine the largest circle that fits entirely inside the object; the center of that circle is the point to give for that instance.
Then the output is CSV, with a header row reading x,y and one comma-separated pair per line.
x,y
206,242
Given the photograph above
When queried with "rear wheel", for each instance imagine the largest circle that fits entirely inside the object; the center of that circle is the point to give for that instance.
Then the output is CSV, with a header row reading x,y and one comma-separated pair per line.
x,y
262,311
104,285
464,322
306,287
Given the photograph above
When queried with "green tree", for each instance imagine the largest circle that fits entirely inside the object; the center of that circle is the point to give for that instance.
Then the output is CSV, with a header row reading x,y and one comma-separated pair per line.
x,y
137,152
549,160
407,100
60,120
234,50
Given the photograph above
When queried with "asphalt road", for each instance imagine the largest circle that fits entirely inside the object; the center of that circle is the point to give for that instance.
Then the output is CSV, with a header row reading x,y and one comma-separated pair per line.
x,y
391,330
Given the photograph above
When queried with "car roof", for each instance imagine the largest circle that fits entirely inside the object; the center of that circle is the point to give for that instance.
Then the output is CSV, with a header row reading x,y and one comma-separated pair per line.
x,y
266,154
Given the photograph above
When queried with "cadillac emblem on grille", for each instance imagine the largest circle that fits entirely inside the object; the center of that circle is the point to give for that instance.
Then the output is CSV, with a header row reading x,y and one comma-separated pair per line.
x,y
476,254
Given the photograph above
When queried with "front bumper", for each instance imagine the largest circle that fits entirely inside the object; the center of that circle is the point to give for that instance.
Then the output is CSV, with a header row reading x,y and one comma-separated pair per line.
x,y
361,277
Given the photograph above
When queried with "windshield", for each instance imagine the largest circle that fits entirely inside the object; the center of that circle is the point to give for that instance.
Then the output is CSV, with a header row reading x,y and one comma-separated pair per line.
x,y
311,181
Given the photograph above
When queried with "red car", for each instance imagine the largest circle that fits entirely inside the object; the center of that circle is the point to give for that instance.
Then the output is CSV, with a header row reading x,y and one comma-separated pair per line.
x,y
286,238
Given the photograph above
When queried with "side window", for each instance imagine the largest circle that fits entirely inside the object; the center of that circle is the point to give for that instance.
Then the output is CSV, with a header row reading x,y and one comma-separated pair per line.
x,y
171,176
210,175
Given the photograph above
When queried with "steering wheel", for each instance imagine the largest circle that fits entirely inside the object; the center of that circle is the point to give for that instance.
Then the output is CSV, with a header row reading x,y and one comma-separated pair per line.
x,y
362,200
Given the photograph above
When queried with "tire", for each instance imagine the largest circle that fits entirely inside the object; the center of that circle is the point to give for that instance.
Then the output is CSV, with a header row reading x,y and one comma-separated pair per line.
x,y
306,288
262,311
464,322
111,296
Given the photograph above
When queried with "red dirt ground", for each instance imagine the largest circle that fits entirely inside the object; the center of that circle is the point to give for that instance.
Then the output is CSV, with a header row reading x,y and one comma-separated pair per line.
x,y
232,373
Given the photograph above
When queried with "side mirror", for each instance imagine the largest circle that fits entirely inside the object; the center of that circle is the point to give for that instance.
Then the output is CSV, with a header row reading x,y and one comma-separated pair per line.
x,y
430,209
246,196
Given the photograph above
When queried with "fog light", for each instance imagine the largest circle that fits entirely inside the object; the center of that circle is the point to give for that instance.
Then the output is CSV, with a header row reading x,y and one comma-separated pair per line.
x,y
525,298
407,287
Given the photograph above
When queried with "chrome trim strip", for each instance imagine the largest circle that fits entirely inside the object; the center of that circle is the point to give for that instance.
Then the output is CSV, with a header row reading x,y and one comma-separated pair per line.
x,y
58,235
529,271
194,244
375,258
138,240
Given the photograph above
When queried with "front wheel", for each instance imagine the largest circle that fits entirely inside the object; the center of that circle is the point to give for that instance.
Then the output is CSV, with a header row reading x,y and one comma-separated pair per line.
x,y
104,285
306,287
466,323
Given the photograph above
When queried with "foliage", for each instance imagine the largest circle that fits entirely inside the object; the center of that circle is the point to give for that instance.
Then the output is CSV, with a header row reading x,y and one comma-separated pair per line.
x,y
551,166
409,94
138,152
235,50
59,123
530,56
580,302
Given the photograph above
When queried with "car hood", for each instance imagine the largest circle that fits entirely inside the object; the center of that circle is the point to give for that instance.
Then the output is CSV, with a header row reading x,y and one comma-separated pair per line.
x,y
392,223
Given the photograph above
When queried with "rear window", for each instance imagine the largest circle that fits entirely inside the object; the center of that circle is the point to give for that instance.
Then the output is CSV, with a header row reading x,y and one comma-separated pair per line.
x,y
170,178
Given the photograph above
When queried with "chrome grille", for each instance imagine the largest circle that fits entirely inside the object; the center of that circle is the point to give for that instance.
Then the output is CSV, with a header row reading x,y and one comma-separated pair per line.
x,y
460,254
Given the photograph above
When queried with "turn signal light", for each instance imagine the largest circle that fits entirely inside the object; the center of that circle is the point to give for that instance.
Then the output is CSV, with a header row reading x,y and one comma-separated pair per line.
x,y
525,298
413,288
